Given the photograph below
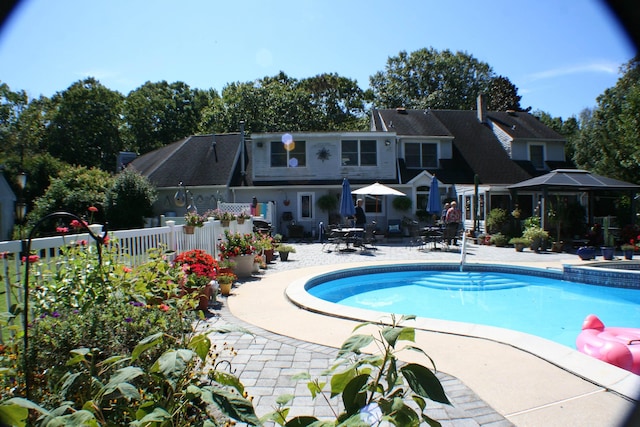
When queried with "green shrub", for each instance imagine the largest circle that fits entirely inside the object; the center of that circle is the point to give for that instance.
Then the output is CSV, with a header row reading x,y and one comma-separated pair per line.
x,y
402,203
496,220
498,239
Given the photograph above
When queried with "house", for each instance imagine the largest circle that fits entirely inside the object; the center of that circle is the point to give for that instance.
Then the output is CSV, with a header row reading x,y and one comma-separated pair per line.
x,y
404,149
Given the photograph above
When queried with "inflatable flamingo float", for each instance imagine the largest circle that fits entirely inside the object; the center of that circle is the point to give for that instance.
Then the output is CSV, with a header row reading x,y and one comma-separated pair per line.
x,y
617,346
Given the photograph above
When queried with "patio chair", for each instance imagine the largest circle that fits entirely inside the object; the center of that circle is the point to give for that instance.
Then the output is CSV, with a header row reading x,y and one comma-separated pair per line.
x,y
394,229
333,239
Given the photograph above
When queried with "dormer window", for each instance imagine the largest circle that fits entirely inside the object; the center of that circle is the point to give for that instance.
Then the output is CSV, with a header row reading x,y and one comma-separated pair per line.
x,y
536,155
359,153
421,155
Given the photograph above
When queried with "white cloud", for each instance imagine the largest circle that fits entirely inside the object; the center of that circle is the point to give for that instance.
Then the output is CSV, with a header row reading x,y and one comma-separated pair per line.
x,y
595,67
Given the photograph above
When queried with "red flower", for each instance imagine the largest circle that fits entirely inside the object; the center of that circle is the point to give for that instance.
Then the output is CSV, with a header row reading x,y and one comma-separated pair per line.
x,y
93,209
164,307
105,240
62,229
32,258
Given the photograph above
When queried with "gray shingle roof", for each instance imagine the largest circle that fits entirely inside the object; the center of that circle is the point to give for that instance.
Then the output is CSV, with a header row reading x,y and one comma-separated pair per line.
x,y
195,161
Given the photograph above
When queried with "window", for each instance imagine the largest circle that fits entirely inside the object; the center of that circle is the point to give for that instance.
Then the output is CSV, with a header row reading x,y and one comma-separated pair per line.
x,y
359,153
421,155
536,156
291,155
305,206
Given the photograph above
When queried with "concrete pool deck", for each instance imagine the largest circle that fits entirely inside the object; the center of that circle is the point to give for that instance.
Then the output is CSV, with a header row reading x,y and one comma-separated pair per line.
x,y
529,381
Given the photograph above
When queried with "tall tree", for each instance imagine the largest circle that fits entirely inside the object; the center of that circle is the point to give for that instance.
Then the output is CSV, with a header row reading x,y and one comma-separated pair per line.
x,y
610,139
503,95
157,114
85,125
427,78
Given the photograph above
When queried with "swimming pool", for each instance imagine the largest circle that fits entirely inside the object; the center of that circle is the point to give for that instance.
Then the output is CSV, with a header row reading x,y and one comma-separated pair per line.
x,y
533,301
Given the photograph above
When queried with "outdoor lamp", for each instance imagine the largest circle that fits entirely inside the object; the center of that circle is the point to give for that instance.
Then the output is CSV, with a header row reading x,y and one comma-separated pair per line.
x,y
21,206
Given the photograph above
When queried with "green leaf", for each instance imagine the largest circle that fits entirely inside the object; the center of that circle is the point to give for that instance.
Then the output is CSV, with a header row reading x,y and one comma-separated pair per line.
x,y
340,380
158,415
284,399
302,421
354,343
145,344
123,375
200,344
235,406
13,415
315,388
129,391
225,378
419,350
353,395
424,383
172,364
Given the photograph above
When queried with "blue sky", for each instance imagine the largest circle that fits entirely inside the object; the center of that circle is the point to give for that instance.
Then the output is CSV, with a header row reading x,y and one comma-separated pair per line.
x,y
560,54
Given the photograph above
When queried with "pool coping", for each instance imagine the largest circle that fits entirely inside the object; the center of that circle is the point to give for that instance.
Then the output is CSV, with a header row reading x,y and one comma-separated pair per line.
x,y
588,368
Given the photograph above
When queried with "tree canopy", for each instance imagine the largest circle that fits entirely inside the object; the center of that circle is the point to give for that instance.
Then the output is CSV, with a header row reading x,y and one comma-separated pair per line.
x,y
609,142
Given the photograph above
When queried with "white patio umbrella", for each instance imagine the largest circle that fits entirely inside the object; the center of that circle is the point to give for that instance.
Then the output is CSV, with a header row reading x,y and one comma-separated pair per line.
x,y
377,189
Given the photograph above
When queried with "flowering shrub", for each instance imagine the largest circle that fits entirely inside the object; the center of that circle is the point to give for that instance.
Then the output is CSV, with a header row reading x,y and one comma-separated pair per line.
x,y
198,265
193,219
236,244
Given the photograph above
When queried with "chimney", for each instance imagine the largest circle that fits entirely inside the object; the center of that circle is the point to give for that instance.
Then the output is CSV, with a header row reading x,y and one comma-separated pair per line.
x,y
482,107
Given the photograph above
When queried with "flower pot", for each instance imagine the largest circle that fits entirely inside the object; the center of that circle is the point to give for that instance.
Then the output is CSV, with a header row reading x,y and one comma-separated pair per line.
x,y
628,254
268,253
519,247
189,229
586,253
607,252
224,222
205,297
240,221
256,268
244,265
284,256
225,288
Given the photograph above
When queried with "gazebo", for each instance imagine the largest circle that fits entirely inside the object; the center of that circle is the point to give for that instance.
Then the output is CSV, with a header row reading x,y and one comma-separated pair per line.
x,y
575,180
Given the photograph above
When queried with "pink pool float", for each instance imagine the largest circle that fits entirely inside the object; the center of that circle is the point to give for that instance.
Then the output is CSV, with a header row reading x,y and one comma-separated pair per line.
x,y
617,346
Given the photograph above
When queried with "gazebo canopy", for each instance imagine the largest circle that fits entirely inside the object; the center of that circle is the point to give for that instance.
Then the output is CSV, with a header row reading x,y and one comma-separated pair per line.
x,y
574,180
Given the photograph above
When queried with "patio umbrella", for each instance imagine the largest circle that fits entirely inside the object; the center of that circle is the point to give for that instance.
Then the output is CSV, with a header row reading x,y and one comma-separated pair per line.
x,y
377,189
346,202
433,204
452,194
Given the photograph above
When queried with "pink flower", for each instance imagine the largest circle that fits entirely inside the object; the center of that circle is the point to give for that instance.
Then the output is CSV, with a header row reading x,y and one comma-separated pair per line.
x,y
32,258
93,209
62,229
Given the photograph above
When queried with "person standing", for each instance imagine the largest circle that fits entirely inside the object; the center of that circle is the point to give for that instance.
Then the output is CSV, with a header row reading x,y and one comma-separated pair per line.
x,y
453,222
361,217
443,215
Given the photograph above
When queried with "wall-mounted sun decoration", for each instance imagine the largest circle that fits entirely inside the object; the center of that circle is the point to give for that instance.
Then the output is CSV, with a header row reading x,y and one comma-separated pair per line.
x,y
323,154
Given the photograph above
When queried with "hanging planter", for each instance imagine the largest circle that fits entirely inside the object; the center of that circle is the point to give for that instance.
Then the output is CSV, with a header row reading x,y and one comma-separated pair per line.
x,y
189,229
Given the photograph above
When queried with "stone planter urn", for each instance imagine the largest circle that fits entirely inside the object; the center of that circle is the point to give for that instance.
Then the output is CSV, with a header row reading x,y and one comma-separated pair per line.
x,y
586,253
243,266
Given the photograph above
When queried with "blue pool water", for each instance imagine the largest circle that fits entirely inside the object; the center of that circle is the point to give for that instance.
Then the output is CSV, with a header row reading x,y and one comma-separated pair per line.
x,y
552,309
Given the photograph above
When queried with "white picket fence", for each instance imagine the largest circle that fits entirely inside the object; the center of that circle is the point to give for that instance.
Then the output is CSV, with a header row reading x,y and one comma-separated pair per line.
x,y
134,246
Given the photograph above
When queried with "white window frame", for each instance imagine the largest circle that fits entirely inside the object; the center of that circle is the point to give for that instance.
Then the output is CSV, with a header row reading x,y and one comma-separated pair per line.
x,y
359,151
310,196
421,144
288,153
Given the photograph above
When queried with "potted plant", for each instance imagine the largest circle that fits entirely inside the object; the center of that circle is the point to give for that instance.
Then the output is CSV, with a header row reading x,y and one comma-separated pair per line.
x,y
284,251
242,217
226,218
265,245
200,270
537,236
628,249
499,239
225,282
239,248
193,220
519,243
